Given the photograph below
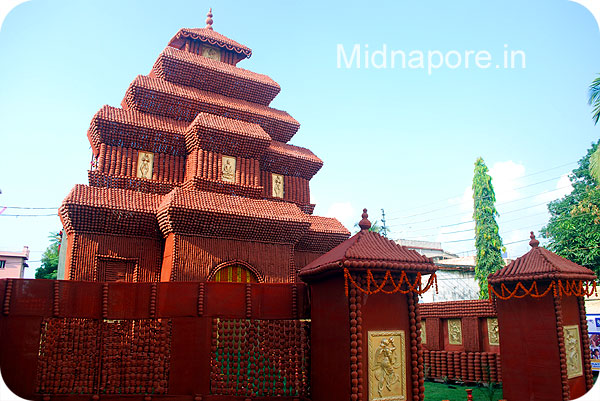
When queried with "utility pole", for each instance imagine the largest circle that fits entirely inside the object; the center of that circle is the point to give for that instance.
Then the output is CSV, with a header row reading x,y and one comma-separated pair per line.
x,y
384,229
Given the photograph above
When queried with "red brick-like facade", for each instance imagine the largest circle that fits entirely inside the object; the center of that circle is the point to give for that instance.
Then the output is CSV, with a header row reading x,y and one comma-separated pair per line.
x,y
476,358
344,312
539,298
188,215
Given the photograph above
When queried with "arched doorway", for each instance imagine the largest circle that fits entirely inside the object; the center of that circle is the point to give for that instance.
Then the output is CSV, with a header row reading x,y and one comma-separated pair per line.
x,y
235,271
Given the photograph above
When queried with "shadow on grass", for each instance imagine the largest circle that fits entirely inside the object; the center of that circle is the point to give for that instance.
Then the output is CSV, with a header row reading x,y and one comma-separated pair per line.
x,y
454,392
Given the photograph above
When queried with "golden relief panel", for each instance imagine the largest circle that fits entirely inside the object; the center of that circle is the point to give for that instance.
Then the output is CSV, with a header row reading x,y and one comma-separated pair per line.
x,y
277,185
228,169
492,327
454,331
423,332
573,350
211,53
387,366
145,164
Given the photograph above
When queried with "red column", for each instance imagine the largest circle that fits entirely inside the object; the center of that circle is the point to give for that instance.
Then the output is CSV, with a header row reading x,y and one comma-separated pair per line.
x,y
534,348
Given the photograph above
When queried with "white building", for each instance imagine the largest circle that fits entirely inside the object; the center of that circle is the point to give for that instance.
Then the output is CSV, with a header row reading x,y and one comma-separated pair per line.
x,y
455,276
13,264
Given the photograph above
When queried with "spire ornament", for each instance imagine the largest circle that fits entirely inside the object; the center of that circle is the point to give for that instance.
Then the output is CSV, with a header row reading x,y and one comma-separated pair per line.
x,y
364,224
209,20
534,242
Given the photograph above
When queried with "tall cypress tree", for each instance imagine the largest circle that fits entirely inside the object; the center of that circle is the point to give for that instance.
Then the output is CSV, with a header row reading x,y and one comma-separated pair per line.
x,y
487,240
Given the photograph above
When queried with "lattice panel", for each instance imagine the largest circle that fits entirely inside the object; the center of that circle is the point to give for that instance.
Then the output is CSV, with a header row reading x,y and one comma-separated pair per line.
x,y
135,356
83,356
260,358
68,358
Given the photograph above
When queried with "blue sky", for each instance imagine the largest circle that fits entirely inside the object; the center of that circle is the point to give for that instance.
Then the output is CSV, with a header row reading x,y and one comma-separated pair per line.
x,y
399,139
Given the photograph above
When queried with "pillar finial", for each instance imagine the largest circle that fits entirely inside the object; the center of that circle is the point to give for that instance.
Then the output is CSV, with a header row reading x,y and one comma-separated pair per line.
x,y
534,242
364,224
209,20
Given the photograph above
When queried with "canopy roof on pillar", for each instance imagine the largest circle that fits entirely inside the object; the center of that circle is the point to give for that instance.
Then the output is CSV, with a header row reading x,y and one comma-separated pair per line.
x,y
541,264
368,250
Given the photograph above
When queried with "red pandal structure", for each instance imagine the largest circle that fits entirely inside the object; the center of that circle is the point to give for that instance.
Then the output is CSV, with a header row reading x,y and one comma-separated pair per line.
x,y
388,278
558,287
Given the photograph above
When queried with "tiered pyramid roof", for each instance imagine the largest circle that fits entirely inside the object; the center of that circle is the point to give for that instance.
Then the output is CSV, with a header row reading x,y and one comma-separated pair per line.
x,y
194,110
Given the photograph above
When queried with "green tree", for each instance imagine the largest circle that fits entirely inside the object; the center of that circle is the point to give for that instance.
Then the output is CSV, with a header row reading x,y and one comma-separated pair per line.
x,y
49,267
595,165
375,227
574,225
594,99
487,240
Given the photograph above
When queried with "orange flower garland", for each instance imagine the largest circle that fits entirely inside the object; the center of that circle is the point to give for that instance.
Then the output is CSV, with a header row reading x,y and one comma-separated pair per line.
x,y
415,287
577,288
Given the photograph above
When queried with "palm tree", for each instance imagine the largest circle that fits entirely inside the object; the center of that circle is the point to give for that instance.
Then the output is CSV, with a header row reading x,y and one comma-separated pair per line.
x,y
375,227
594,101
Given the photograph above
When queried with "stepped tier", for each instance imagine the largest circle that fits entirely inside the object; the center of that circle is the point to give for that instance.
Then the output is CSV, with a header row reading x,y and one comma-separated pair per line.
x,y
217,215
225,135
104,180
209,37
237,189
325,233
189,69
118,161
295,189
110,211
290,160
132,129
159,97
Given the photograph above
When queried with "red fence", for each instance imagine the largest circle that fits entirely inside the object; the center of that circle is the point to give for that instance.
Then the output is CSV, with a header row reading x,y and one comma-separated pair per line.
x,y
461,341
176,341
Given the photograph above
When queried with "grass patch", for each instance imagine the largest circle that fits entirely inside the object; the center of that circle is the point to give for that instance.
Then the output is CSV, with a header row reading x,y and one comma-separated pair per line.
x,y
455,392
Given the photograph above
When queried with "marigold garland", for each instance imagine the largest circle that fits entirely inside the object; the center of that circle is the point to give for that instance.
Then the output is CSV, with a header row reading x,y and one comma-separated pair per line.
x,y
415,287
577,288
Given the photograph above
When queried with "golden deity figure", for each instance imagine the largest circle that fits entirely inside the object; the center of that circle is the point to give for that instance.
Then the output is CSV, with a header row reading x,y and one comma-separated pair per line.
x,y
228,169
277,186
145,161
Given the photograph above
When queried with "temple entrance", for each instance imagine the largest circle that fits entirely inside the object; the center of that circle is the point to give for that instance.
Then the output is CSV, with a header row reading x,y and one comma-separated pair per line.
x,y
234,272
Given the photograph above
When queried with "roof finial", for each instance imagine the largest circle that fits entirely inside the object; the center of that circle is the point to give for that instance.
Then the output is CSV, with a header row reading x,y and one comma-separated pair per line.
x,y
364,224
533,243
209,20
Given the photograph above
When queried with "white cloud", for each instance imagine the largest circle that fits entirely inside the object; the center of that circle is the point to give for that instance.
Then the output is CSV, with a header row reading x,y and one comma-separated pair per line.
x,y
465,201
345,213
505,176
505,180
563,187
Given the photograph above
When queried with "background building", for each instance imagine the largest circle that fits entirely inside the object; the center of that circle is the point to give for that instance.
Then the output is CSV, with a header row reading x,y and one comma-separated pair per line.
x,y
455,275
12,264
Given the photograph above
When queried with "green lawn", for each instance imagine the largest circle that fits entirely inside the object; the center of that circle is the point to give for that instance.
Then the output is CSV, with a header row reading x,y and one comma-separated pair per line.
x,y
454,392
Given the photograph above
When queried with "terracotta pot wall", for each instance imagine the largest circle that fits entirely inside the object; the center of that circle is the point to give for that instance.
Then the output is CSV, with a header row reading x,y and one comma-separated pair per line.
x,y
117,161
196,257
85,249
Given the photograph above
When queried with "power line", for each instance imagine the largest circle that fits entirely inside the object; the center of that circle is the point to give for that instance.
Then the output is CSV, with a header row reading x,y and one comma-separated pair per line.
x,y
462,231
471,221
487,197
509,243
503,233
567,249
28,215
525,176
30,208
